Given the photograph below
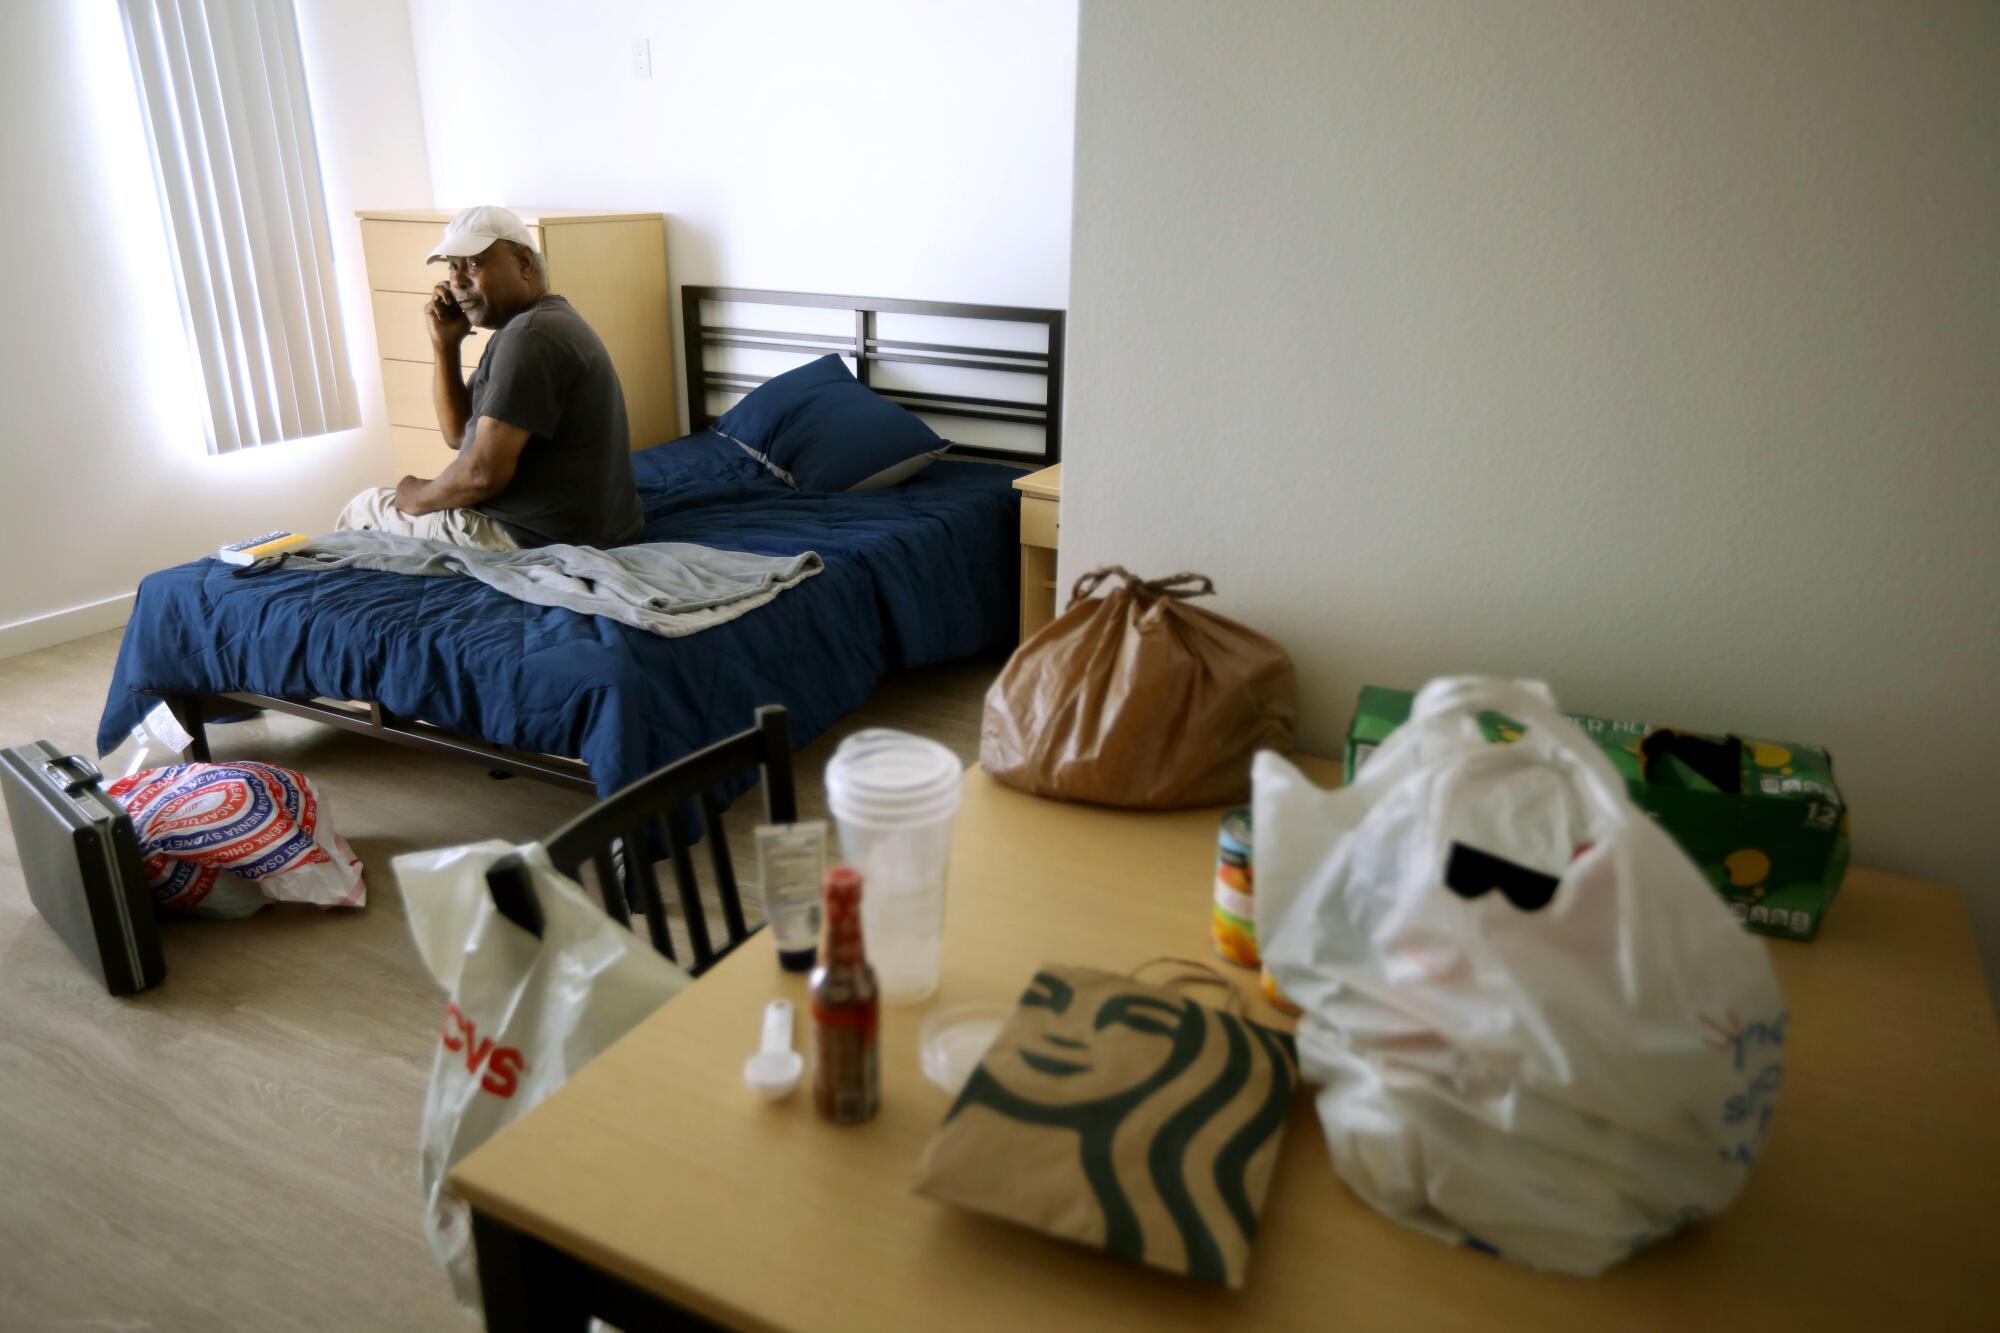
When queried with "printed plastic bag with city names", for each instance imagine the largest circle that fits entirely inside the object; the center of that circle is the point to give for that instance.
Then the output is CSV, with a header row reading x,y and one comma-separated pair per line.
x,y
1533,1026
524,1014
222,839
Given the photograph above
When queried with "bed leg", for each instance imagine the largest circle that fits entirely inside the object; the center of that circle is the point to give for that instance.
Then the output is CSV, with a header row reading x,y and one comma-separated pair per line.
x,y
186,709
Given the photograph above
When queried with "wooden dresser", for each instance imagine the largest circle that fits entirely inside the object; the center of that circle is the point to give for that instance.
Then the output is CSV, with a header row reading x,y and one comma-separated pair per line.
x,y
611,266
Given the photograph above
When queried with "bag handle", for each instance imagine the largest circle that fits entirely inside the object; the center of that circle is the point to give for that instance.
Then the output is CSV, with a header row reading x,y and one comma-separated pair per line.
x,y
1530,703
1718,762
1179,587
1197,974
80,775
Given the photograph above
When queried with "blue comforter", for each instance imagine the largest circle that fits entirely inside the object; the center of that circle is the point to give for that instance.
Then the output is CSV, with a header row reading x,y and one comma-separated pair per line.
x,y
915,574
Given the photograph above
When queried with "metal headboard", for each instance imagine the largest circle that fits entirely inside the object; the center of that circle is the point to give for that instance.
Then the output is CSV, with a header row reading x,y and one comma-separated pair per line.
x,y
867,350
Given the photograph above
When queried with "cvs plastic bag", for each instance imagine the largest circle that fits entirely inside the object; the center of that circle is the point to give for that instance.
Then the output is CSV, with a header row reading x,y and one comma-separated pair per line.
x,y
1138,699
1534,1026
524,1014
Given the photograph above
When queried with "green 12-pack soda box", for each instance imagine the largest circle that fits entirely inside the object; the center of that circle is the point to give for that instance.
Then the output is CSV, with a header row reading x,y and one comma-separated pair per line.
x,y
1763,819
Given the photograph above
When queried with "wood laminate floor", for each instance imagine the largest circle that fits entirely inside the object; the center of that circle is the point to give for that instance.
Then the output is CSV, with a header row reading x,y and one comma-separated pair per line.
x,y
237,1149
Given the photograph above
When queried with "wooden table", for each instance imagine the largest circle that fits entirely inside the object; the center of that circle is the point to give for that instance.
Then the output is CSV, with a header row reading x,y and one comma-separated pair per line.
x,y
1873,1205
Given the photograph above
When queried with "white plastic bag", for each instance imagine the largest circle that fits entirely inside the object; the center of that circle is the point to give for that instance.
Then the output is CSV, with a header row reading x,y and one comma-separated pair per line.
x,y
1561,1070
525,1013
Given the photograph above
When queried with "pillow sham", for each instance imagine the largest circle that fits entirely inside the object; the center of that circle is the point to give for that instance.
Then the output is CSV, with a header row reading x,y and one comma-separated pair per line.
x,y
820,429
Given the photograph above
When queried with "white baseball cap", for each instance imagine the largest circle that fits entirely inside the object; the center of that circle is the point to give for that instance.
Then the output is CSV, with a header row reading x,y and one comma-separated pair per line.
x,y
476,228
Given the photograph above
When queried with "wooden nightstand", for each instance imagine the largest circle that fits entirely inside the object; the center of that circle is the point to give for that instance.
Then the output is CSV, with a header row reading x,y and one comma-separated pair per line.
x,y
1041,513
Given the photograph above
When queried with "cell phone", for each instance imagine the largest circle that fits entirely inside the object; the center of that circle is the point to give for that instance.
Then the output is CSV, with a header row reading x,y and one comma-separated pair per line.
x,y
263,566
447,304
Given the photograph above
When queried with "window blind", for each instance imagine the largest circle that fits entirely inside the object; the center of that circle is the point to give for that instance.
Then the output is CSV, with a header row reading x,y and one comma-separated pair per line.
x,y
222,89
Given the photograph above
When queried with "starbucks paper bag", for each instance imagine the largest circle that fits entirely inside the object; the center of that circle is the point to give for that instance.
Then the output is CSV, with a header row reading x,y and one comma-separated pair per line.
x,y
1124,1116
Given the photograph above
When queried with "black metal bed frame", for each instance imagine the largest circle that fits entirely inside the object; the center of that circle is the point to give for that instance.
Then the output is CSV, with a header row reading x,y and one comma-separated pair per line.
x,y
194,709
867,349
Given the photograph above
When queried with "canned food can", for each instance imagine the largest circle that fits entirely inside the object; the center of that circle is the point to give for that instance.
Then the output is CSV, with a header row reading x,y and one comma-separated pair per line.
x,y
1234,919
1277,997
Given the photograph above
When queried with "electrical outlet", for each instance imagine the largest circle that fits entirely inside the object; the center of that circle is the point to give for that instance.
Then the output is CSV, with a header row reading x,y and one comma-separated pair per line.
x,y
642,58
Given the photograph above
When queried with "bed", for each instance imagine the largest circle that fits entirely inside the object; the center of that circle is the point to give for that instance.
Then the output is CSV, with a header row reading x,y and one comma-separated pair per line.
x,y
920,573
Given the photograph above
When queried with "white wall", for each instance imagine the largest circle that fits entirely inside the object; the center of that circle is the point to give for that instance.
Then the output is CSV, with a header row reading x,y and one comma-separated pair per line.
x,y
106,473
1647,348
901,148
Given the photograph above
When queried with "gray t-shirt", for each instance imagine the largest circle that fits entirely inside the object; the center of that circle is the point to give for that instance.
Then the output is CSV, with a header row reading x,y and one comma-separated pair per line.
x,y
547,372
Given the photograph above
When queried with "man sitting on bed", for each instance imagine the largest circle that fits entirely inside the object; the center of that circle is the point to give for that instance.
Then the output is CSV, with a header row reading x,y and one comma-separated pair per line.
x,y
540,429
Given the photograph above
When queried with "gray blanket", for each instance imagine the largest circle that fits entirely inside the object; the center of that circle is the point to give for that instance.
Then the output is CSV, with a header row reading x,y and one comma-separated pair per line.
x,y
667,588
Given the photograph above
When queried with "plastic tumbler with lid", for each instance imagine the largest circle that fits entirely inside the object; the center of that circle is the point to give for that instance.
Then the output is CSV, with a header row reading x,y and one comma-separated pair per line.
x,y
893,796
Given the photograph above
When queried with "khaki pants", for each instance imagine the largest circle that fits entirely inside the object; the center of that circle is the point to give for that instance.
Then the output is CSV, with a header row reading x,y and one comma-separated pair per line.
x,y
375,510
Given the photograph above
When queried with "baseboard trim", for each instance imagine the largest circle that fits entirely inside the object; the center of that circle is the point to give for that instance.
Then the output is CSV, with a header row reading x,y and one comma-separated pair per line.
x,y
25,636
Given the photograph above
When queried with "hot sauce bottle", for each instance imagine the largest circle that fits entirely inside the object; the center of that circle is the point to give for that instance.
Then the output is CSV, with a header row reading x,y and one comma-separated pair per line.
x,y
846,1010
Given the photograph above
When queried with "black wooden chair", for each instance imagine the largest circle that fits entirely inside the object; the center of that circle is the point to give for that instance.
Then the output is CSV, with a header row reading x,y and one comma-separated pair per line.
x,y
620,834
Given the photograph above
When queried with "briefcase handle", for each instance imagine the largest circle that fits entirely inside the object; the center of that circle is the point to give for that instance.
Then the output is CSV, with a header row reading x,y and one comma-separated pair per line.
x,y
83,773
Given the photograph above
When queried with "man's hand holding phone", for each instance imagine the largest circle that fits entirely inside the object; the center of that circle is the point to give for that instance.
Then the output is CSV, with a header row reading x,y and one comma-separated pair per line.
x,y
447,323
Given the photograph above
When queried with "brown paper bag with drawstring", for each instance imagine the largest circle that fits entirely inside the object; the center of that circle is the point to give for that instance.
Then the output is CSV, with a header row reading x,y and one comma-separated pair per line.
x,y
1138,699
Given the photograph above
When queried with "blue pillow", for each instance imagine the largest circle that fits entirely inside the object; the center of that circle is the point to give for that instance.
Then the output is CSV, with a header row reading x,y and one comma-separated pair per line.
x,y
820,429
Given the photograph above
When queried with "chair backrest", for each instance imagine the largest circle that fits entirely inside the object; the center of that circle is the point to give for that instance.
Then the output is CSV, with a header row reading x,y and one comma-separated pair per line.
x,y
621,835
